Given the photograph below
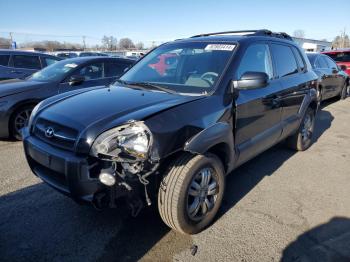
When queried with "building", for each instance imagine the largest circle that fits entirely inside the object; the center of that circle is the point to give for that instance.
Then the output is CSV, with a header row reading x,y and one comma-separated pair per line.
x,y
312,45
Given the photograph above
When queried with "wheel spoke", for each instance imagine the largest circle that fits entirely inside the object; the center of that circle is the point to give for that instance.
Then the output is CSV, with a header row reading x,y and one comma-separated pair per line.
x,y
194,189
206,176
209,204
204,208
194,208
213,188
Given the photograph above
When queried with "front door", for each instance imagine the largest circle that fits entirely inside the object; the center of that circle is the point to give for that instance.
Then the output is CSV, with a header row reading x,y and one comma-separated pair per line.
x,y
93,75
258,110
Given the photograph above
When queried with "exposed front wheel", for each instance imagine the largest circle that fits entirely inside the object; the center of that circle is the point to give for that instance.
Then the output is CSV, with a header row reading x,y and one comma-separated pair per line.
x,y
302,140
19,120
191,193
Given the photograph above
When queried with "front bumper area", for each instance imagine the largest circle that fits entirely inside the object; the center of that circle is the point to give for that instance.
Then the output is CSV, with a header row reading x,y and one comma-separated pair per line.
x,y
63,170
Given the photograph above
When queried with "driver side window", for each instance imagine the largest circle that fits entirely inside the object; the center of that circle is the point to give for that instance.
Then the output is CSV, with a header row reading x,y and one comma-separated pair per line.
x,y
92,71
256,59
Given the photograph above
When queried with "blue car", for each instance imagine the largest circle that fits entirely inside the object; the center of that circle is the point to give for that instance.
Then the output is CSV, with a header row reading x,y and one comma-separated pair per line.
x,y
20,64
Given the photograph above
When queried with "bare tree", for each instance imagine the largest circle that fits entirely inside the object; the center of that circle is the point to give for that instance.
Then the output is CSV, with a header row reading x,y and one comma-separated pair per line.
x,y
5,43
109,42
341,41
126,43
299,33
51,45
139,46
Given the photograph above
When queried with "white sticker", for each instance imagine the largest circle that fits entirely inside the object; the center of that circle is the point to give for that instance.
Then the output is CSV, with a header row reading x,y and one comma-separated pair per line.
x,y
220,47
71,65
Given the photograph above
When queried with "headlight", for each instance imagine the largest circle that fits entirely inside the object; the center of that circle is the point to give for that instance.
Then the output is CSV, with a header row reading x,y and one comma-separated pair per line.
x,y
32,115
126,143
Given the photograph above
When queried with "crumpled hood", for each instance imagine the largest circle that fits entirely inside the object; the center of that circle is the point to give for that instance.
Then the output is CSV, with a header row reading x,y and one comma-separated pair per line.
x,y
15,86
94,111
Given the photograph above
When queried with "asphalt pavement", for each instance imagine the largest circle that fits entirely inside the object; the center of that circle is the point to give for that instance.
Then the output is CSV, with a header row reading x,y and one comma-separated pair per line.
x,y
282,205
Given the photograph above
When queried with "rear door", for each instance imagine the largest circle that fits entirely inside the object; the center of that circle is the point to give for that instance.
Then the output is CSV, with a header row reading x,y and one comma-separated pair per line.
x,y
290,70
4,66
24,65
258,110
93,74
328,80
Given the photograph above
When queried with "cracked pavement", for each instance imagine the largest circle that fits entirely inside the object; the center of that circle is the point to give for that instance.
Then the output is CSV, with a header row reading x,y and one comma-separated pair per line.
x,y
281,205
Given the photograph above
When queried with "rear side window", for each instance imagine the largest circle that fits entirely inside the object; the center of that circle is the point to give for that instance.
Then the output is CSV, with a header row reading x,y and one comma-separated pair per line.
x,y
330,62
25,61
340,56
115,69
256,59
284,60
321,62
4,60
300,60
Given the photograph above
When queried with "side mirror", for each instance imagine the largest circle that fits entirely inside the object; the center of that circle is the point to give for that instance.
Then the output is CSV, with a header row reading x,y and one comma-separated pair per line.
x,y
343,67
251,80
76,80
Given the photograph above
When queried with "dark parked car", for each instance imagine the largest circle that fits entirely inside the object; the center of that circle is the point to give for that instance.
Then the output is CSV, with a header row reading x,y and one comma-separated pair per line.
x,y
20,64
83,54
18,97
65,55
175,135
332,81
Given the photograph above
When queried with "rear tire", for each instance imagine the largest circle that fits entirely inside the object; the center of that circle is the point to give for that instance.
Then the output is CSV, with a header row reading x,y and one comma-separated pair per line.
x,y
302,139
19,119
191,192
344,91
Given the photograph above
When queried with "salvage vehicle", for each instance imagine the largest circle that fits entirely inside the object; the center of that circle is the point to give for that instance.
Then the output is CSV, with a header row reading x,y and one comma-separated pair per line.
x,y
21,64
174,136
333,81
19,97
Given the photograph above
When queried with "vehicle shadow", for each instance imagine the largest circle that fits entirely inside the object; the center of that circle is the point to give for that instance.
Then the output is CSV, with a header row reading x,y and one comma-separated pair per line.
x,y
245,178
327,242
39,224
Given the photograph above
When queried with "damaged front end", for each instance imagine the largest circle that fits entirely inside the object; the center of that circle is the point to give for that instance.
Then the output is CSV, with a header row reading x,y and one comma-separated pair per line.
x,y
128,157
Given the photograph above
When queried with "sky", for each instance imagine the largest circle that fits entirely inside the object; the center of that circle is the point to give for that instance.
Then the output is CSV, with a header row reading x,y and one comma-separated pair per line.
x,y
163,20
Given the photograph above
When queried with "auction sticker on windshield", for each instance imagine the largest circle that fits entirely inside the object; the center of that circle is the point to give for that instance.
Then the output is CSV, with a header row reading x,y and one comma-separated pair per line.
x,y
219,47
71,65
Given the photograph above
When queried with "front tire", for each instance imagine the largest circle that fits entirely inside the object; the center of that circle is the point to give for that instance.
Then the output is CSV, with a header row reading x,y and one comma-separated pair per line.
x,y
191,193
302,139
19,120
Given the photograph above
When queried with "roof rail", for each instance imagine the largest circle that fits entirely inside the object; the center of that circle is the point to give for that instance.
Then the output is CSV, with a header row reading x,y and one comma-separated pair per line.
x,y
260,32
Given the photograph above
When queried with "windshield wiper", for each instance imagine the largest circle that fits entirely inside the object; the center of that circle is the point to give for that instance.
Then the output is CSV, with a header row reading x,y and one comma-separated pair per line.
x,y
148,85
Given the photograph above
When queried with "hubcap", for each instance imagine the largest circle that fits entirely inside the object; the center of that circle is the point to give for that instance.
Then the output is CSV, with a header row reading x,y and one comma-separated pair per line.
x,y
306,131
202,194
22,119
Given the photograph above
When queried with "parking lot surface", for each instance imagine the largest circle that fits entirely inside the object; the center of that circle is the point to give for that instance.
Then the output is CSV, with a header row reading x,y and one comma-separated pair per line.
x,y
281,205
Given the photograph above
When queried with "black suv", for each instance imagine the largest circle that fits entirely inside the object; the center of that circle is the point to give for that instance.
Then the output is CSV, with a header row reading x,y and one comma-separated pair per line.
x,y
171,131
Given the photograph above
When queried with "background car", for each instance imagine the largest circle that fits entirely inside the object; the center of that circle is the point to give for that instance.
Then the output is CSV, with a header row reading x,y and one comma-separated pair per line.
x,y
18,97
332,80
83,54
341,57
65,55
20,64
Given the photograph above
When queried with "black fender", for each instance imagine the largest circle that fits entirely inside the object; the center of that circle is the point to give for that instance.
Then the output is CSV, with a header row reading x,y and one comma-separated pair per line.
x,y
219,134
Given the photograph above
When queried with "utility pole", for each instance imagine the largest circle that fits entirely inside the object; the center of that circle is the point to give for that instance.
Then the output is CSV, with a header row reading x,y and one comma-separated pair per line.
x,y
84,43
11,39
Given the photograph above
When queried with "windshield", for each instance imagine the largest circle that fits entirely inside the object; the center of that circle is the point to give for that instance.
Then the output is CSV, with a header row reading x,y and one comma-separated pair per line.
x,y
340,56
192,67
54,72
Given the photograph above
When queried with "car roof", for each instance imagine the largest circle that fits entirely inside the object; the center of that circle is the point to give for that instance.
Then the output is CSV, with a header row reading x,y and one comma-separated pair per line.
x,y
234,38
84,59
341,50
23,52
